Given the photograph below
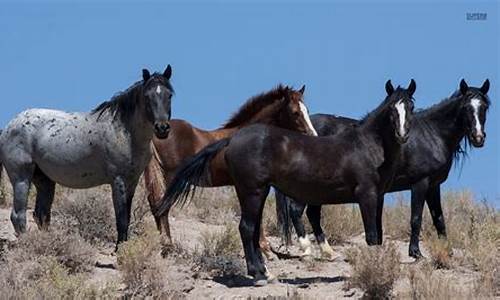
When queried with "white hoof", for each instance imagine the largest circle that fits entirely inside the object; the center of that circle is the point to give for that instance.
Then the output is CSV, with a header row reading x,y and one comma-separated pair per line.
x,y
327,251
305,246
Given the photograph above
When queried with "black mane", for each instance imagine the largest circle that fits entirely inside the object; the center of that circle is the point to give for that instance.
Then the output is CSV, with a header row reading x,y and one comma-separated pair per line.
x,y
256,104
123,104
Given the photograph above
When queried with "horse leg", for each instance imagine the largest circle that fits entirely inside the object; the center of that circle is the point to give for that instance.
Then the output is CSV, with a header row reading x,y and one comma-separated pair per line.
x,y
21,183
45,189
380,212
313,213
252,204
155,182
367,198
418,192
296,212
264,244
434,204
122,203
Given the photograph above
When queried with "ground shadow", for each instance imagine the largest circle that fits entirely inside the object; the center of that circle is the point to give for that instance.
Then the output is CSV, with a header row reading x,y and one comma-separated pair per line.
x,y
243,281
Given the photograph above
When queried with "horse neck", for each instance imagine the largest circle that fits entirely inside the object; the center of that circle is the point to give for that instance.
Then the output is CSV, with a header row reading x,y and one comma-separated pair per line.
x,y
267,115
378,126
445,122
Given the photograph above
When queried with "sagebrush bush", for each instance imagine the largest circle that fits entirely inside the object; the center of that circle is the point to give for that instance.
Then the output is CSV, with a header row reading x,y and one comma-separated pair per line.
x,y
341,222
52,264
374,269
440,252
219,252
427,285
142,268
67,248
89,212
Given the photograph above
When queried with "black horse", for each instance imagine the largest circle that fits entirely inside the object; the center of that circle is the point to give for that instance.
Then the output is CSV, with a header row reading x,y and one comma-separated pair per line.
x,y
355,166
440,134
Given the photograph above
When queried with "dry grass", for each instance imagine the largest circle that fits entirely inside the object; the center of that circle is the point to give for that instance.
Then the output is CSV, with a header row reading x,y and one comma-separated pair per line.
x,y
440,252
49,265
425,283
219,253
142,267
341,222
374,269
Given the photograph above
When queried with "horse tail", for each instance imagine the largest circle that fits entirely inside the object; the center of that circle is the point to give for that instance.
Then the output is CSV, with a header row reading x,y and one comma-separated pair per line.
x,y
190,174
283,216
155,181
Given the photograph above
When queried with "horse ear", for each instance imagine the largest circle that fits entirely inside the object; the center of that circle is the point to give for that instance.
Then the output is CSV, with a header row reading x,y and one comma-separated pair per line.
x,y
389,88
412,87
463,87
145,75
168,72
302,89
486,87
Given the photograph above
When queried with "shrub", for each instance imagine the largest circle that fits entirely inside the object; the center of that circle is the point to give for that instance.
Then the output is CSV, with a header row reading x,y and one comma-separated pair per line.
x,y
374,269
141,266
219,252
68,249
426,284
89,212
440,252
341,222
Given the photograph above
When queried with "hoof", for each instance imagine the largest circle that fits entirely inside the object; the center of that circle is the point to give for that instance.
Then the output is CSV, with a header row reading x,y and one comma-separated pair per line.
x,y
260,282
415,253
305,246
327,251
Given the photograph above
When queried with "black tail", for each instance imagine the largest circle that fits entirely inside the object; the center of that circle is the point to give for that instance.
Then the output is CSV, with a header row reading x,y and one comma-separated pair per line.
x,y
188,175
283,216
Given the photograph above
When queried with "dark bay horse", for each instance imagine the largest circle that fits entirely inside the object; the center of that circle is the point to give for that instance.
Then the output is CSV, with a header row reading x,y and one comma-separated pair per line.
x,y
355,166
439,136
282,106
110,145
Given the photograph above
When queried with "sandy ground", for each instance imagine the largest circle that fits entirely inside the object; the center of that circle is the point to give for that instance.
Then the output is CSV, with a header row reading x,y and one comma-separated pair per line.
x,y
306,278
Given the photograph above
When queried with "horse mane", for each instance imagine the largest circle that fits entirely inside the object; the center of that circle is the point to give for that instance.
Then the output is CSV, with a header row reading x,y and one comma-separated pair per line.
x,y
255,104
378,109
123,104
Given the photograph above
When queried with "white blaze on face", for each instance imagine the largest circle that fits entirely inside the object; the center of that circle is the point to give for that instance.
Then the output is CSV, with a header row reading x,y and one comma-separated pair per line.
x,y
400,107
476,103
305,114
158,90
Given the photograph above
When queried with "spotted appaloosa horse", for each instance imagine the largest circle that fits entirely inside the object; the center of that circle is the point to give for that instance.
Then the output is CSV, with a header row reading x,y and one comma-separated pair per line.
x,y
110,145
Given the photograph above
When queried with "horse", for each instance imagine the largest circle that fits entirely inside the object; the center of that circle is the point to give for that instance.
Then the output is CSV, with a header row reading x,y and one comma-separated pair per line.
x,y
109,145
440,135
355,166
282,106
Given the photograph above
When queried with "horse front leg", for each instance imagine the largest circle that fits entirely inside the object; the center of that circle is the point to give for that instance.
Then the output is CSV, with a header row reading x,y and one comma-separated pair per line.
x,y
367,197
418,192
122,202
434,203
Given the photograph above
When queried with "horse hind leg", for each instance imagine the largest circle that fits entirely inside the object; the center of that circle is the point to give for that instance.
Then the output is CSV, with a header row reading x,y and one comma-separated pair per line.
x,y
45,189
252,204
21,177
313,213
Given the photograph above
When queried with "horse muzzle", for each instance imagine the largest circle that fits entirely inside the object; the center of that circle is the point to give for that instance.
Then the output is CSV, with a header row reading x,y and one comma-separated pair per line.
x,y
477,140
162,129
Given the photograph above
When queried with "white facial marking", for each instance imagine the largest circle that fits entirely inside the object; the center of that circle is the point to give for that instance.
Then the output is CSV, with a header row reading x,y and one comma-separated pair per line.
x,y
305,114
476,103
400,107
158,90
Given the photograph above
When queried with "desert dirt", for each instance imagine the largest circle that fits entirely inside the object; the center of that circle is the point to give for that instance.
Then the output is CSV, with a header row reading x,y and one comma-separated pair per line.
x,y
310,278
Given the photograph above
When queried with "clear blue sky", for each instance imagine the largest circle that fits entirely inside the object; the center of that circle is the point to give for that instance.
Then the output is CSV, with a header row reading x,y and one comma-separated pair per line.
x,y
73,56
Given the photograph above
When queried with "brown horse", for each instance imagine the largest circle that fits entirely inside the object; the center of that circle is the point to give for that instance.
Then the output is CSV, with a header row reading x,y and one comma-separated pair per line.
x,y
282,107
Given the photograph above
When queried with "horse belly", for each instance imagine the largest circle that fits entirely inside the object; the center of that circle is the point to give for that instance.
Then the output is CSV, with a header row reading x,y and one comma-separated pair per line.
x,y
72,162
